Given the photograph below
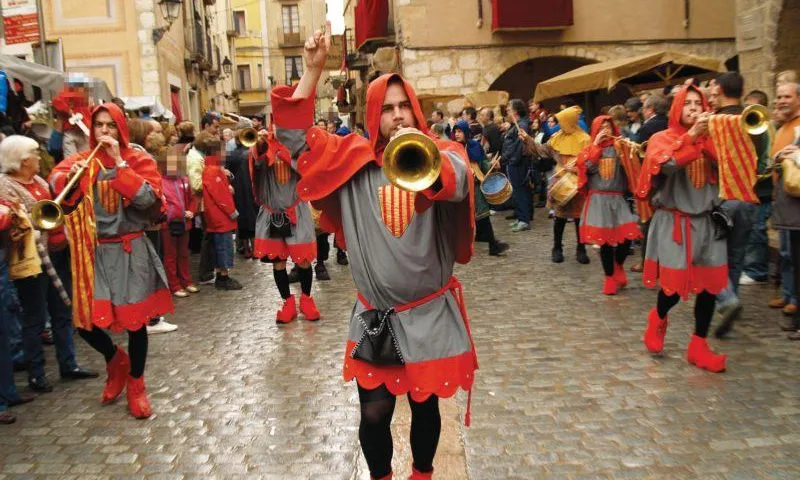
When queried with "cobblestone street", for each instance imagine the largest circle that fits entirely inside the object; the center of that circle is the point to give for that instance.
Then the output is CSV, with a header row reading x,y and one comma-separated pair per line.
x,y
565,389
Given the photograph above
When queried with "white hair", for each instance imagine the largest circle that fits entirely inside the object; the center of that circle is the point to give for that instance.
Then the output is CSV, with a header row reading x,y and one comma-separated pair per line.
x,y
13,151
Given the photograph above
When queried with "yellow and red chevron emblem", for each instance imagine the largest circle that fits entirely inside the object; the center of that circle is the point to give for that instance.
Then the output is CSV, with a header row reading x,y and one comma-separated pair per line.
x,y
108,197
607,167
697,172
737,158
397,208
282,171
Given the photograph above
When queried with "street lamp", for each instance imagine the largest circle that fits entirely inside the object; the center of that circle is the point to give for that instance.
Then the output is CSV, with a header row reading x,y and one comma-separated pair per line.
x,y
170,11
227,66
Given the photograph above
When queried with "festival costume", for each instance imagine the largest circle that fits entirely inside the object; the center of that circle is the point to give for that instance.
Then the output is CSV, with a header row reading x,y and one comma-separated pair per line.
x,y
683,255
607,219
564,147
129,285
402,245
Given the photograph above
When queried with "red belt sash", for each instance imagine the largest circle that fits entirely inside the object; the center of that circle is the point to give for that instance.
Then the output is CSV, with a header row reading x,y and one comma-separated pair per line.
x,y
125,240
605,192
677,236
453,286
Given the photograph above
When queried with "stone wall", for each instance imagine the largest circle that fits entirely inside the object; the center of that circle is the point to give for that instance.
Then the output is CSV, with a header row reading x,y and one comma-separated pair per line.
x,y
468,70
148,58
758,66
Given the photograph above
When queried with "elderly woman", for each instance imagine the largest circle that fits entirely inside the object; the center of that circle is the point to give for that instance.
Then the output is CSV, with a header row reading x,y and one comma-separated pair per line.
x,y
44,292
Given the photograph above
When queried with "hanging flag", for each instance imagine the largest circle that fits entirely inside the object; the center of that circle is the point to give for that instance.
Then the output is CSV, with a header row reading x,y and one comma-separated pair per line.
x,y
736,158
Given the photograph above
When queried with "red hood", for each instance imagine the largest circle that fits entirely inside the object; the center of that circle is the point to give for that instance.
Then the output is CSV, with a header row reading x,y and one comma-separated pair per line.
x,y
677,107
597,122
119,119
375,95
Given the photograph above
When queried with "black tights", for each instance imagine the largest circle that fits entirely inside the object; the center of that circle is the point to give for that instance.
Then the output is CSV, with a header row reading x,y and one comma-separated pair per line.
x,y
137,347
375,433
610,255
558,232
703,309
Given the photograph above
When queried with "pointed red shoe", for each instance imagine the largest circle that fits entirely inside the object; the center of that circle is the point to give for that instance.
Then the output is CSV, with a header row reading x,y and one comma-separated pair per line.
x,y
288,312
308,308
620,276
655,333
117,370
610,286
701,356
417,475
137,398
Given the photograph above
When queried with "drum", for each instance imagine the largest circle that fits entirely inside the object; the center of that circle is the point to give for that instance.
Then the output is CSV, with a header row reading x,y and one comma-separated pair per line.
x,y
563,190
496,188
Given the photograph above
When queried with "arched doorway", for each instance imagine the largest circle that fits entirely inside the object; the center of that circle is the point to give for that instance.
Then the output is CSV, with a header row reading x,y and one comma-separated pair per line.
x,y
521,79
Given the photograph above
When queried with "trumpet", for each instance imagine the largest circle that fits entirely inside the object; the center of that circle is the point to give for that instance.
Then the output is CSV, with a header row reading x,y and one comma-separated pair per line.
x,y
49,214
247,137
411,161
755,119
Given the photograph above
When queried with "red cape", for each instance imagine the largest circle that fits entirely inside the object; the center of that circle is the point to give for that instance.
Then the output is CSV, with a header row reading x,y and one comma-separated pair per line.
x,y
331,160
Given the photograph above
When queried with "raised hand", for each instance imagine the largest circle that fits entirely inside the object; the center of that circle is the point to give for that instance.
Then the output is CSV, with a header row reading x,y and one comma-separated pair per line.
x,y
315,50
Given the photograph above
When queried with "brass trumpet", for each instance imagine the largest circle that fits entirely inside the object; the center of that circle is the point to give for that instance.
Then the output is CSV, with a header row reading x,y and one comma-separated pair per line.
x,y
48,214
247,137
755,119
411,161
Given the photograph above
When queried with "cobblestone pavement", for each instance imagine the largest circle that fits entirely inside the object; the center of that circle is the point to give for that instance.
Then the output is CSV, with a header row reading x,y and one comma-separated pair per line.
x,y
565,390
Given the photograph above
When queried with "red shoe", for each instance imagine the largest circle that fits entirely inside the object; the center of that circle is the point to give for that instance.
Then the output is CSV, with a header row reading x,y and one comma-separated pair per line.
x,y
117,369
417,475
701,356
288,312
137,398
655,333
619,275
610,286
309,308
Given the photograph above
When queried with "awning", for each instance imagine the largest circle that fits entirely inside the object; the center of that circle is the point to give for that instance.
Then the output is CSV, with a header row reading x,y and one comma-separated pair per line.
x,y
157,109
644,71
50,79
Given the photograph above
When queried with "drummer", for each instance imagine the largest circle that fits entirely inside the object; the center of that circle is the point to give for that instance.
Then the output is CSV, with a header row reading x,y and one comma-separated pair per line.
x,y
481,166
564,147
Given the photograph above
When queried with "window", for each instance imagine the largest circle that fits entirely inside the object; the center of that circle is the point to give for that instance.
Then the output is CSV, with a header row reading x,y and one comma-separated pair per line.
x,y
260,70
291,19
243,72
239,23
294,68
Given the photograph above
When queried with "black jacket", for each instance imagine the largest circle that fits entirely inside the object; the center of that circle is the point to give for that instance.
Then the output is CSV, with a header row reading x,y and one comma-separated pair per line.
x,y
239,165
513,147
656,124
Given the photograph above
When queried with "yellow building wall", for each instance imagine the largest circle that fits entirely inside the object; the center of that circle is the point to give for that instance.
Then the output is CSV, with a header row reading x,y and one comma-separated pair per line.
x,y
251,49
594,21
171,51
99,39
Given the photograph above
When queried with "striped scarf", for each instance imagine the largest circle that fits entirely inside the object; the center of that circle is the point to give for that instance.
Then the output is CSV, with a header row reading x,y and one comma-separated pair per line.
x,y
11,190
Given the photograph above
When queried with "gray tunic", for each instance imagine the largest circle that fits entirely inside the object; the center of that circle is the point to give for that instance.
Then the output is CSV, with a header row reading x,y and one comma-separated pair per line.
x,y
399,256
607,218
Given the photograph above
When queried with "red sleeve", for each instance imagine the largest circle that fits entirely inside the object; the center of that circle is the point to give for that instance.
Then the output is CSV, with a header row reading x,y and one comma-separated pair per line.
x,y
127,182
215,185
447,178
293,113
58,180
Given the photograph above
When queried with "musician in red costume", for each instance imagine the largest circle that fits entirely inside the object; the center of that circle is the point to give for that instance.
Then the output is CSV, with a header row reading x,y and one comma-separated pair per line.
x,y
130,284
402,247
684,254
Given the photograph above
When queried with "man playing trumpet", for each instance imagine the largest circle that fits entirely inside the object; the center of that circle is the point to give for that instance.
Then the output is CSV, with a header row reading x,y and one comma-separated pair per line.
x,y
402,247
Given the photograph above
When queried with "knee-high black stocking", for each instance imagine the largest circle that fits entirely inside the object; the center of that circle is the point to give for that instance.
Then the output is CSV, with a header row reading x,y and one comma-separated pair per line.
x,y
665,303
703,313
374,430
137,349
607,259
622,251
426,426
305,275
282,282
100,341
558,232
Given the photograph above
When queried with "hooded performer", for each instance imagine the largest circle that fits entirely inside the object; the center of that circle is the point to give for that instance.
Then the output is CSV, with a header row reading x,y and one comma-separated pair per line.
x,y
564,147
275,188
607,219
130,285
402,247
684,255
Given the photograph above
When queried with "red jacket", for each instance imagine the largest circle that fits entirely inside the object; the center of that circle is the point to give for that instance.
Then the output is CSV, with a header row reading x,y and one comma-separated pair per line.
x,y
220,211
179,199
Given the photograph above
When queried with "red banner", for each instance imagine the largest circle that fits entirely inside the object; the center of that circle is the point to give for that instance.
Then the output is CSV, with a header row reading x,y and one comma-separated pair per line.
x,y
21,28
511,15
372,21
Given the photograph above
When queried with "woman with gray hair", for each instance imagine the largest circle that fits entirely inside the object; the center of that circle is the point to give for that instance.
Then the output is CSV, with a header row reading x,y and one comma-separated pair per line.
x,y
45,292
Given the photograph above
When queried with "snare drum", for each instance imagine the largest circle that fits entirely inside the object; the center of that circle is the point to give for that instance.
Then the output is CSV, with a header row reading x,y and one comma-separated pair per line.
x,y
496,188
563,190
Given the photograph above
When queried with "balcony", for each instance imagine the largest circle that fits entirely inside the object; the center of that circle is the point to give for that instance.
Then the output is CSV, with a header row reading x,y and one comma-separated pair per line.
x,y
291,39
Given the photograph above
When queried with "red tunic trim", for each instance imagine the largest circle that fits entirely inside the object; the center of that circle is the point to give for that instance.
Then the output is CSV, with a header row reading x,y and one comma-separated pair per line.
x,y
273,248
132,316
610,236
681,281
441,377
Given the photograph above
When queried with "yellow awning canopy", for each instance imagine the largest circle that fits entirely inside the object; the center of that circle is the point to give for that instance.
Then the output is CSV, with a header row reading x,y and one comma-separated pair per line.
x,y
664,67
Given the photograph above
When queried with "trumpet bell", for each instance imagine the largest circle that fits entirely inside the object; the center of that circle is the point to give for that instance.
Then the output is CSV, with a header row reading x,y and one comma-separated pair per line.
x,y
411,161
47,215
755,119
248,137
